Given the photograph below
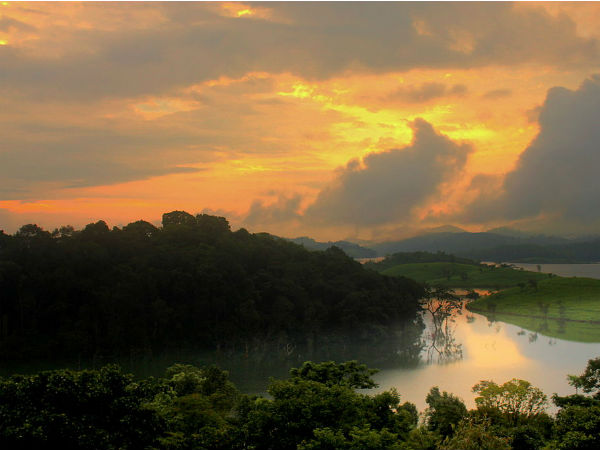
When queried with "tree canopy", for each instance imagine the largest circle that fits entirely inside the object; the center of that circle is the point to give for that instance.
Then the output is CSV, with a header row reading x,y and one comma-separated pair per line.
x,y
190,283
316,407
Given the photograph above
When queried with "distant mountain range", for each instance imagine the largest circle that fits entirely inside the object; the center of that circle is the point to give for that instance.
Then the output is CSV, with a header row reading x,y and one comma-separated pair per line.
x,y
499,244
351,249
463,243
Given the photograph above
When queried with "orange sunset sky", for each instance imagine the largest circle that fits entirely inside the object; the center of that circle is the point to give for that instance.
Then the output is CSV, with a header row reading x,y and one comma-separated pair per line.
x,y
333,120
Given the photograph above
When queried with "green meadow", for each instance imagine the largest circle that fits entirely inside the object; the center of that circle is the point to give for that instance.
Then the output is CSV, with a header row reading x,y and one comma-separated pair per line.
x,y
451,274
565,308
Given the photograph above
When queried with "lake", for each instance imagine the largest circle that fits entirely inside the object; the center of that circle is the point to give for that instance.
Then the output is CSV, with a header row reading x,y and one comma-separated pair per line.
x,y
471,349
499,351
490,351
564,270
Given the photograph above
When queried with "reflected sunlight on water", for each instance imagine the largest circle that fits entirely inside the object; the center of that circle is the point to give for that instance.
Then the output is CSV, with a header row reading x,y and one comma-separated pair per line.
x,y
491,350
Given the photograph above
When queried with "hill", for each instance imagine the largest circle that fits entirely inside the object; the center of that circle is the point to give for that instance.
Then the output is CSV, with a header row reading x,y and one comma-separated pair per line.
x,y
441,269
503,245
190,283
464,244
351,249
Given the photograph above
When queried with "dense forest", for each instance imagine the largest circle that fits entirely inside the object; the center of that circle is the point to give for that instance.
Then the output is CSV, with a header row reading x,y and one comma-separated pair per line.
x,y
316,407
192,282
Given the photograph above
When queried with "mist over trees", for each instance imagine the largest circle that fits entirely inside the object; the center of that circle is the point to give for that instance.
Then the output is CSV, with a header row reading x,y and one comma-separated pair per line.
x,y
190,283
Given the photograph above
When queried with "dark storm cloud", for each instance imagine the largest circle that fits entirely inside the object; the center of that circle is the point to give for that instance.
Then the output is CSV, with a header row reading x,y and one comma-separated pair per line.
x,y
313,40
557,175
390,184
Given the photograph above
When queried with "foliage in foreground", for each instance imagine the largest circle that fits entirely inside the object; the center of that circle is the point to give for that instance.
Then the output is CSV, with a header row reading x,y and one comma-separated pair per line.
x,y
316,408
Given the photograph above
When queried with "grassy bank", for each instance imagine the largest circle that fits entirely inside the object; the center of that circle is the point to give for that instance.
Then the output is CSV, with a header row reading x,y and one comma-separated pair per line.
x,y
566,308
451,274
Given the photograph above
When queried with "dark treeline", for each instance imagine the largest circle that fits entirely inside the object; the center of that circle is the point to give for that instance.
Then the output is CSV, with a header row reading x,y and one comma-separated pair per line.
x,y
316,408
190,283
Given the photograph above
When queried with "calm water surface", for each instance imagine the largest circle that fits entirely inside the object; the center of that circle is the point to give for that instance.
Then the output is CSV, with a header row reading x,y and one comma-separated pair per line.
x,y
565,270
470,349
490,351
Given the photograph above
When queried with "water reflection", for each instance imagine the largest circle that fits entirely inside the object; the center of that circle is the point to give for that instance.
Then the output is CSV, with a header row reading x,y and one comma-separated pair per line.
x,y
442,347
440,307
563,270
451,348
489,350
400,345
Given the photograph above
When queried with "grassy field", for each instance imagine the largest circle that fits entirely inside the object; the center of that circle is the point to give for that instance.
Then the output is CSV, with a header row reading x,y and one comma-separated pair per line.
x,y
451,274
566,308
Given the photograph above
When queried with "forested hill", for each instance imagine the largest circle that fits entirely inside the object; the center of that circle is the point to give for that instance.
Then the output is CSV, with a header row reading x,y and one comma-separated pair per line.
x,y
191,282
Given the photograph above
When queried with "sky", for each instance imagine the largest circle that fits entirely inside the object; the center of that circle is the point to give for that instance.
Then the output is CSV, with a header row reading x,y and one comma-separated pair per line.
x,y
342,120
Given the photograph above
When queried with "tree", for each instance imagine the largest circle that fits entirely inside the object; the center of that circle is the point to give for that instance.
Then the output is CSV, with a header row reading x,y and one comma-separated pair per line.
x,y
350,374
32,231
589,380
177,218
578,428
317,408
475,435
441,302
445,412
357,439
63,232
577,425
196,405
212,225
141,228
97,229
420,438
514,399
64,409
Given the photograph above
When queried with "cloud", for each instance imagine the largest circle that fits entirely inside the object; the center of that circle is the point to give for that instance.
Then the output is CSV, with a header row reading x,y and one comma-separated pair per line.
x,y
54,146
9,24
427,91
497,93
191,43
70,156
385,187
557,175
284,210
